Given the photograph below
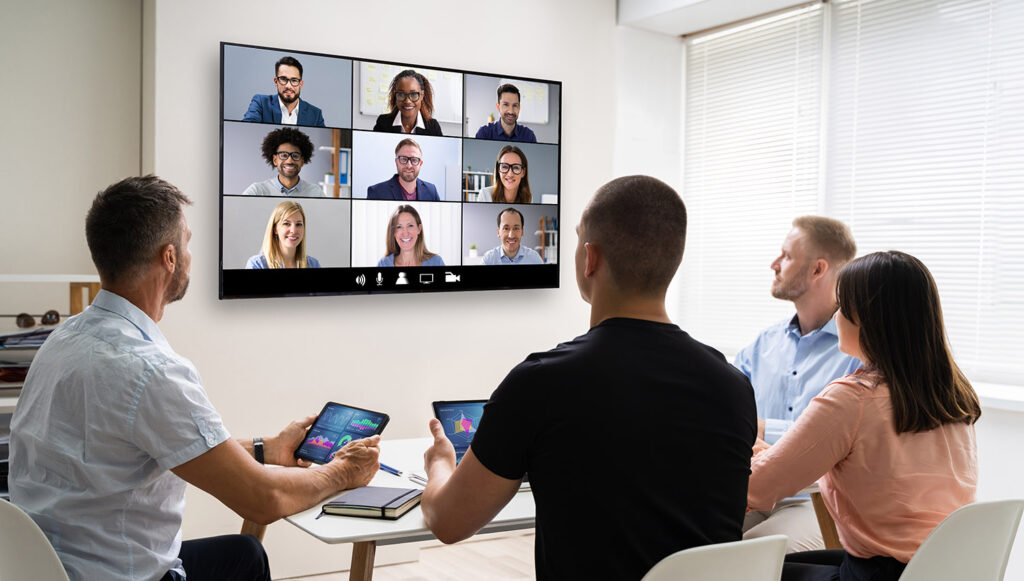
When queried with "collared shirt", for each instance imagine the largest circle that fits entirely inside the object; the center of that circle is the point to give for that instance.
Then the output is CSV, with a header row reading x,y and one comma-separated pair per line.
x,y
286,117
787,370
274,187
419,122
520,133
107,410
525,255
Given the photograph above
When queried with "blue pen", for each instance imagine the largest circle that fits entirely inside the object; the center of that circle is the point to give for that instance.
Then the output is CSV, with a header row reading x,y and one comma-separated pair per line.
x,y
390,470
413,477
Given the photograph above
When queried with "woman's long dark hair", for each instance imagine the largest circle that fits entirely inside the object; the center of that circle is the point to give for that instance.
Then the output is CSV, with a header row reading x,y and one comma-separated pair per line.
x,y
427,99
893,297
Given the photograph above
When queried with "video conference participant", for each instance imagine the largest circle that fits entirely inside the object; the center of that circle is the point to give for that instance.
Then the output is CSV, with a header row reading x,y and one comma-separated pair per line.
x,y
410,106
404,241
286,150
792,361
506,127
511,179
284,243
112,423
679,429
510,233
405,184
285,108
892,443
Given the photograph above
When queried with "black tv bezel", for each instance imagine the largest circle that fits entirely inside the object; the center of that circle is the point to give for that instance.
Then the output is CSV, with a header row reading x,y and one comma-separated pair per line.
x,y
355,280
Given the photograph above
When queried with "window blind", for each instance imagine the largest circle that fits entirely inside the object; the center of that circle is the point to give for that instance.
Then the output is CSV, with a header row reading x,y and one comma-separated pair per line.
x,y
752,147
926,155
920,106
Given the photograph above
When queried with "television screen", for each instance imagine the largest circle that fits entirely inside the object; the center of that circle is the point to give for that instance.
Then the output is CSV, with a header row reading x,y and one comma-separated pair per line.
x,y
346,175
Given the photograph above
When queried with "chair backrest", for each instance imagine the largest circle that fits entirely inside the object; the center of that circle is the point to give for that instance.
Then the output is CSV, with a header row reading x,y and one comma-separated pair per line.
x,y
973,543
754,560
25,552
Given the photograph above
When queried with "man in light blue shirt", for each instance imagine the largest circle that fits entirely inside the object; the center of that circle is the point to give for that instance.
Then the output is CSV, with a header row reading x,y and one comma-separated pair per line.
x,y
511,251
112,423
792,361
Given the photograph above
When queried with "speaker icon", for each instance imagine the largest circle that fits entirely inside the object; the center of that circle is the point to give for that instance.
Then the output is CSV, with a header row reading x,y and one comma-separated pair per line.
x,y
361,280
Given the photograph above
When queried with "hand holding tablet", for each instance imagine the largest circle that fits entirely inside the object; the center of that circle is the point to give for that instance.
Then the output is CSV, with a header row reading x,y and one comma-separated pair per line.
x,y
336,426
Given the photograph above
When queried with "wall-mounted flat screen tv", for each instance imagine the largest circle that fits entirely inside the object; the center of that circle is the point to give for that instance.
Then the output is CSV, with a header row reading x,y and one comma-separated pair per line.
x,y
351,175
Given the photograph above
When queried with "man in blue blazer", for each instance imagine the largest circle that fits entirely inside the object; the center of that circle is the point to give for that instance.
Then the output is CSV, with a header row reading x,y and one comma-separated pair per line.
x,y
406,184
285,108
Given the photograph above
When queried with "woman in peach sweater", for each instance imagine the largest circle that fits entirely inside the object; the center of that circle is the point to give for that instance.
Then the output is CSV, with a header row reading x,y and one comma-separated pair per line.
x,y
893,443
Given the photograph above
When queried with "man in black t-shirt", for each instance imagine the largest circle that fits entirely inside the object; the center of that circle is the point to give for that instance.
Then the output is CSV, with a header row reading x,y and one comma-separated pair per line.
x,y
637,438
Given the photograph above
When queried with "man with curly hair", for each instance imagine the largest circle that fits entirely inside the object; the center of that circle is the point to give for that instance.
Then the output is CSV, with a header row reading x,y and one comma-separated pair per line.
x,y
286,150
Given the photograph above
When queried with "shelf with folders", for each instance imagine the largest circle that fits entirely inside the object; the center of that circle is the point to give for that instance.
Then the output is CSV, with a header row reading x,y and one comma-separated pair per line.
x,y
338,183
475,182
547,236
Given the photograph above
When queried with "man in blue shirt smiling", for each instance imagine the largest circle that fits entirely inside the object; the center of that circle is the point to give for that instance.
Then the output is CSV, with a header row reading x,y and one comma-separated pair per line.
x,y
511,251
506,128
792,361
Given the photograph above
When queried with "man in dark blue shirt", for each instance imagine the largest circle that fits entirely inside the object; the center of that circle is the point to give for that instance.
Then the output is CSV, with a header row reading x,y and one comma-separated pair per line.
x,y
506,128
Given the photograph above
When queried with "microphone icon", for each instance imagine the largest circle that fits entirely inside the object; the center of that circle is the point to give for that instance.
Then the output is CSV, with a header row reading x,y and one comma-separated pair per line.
x,y
380,278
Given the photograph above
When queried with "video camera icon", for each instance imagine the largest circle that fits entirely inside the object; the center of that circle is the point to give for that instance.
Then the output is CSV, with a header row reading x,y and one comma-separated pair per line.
x,y
452,277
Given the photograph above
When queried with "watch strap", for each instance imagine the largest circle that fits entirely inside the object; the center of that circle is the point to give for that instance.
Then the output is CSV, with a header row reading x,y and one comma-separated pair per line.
x,y
257,449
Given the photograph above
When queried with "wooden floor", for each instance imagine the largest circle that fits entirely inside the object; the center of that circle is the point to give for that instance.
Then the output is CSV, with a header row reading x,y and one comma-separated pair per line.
x,y
505,558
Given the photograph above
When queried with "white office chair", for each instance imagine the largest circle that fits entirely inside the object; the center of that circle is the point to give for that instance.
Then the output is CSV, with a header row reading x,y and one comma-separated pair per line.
x,y
25,553
973,543
753,560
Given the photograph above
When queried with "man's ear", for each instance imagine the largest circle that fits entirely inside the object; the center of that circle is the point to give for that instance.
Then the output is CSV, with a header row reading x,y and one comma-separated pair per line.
x,y
594,258
821,268
169,257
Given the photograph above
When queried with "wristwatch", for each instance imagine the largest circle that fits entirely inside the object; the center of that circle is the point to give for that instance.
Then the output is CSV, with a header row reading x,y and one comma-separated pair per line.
x,y
257,449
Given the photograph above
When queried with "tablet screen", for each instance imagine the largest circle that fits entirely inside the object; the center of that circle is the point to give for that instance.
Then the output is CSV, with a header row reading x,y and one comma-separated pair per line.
x,y
459,419
336,426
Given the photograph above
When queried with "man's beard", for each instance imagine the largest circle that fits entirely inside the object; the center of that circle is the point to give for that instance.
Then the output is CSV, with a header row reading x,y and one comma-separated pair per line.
x,y
177,291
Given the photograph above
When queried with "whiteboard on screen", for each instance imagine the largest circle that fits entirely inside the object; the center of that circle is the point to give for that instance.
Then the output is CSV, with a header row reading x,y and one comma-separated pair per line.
x,y
375,78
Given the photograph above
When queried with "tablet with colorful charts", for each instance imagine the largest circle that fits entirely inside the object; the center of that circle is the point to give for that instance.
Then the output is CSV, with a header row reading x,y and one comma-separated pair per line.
x,y
336,426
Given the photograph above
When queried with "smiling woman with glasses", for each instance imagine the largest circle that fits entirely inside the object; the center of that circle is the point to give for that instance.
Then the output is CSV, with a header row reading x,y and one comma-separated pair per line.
x,y
410,106
511,183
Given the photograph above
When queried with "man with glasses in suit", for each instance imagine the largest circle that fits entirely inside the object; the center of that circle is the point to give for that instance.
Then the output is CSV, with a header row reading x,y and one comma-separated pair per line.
x,y
286,150
405,184
285,108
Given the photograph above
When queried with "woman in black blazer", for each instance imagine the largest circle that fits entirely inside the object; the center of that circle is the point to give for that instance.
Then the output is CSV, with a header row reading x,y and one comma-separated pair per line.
x,y
411,101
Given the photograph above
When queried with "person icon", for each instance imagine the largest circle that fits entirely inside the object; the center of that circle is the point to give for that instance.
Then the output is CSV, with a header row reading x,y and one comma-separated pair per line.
x,y
401,279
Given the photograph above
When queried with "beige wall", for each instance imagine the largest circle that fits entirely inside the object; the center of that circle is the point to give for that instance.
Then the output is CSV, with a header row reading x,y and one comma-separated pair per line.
x,y
69,110
267,361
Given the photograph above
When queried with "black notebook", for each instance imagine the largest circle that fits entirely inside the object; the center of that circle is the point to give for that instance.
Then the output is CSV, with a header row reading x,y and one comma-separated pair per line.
x,y
374,502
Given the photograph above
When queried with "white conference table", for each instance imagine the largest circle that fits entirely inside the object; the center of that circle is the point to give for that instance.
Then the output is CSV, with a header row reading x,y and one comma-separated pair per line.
x,y
367,533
